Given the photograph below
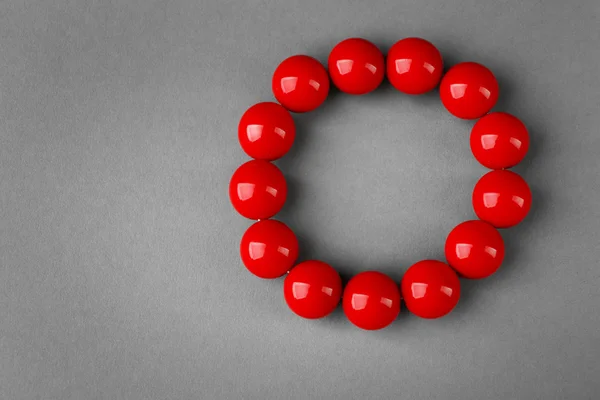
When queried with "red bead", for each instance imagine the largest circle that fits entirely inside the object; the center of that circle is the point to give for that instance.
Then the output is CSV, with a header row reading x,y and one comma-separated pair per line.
x,y
430,289
300,83
414,66
312,289
266,131
269,249
257,189
469,90
499,140
474,249
371,300
501,198
356,66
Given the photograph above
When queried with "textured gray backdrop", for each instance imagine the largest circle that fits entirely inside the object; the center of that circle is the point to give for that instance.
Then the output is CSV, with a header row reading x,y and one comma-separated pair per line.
x,y
119,268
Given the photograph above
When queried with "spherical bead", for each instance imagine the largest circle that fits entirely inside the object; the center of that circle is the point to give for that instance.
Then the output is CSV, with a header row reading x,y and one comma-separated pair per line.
x,y
312,289
257,189
356,66
474,249
414,66
300,83
501,198
266,131
469,90
499,140
371,300
430,289
269,249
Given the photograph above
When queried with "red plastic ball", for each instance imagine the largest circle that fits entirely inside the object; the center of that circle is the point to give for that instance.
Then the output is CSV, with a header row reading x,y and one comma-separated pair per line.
x,y
414,66
269,249
257,189
501,198
469,90
312,289
371,300
474,249
499,140
300,83
356,66
266,131
430,289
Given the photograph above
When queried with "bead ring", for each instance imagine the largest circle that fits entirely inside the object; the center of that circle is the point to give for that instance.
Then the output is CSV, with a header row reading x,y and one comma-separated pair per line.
x,y
474,249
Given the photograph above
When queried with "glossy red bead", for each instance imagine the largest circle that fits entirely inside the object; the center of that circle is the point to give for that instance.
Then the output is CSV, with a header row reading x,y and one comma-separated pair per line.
x,y
501,198
300,83
356,66
312,289
430,289
371,300
269,249
499,140
469,90
474,249
257,189
266,131
414,66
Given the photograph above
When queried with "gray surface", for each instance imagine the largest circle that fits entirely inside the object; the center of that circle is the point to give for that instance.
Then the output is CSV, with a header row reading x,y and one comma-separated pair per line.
x,y
119,272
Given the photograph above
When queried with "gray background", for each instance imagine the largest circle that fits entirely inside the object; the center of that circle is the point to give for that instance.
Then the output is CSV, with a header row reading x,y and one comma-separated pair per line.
x,y
119,268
